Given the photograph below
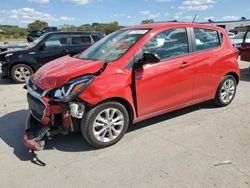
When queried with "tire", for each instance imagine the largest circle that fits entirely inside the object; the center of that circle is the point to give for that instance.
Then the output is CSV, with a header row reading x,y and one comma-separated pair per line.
x,y
226,91
20,72
109,121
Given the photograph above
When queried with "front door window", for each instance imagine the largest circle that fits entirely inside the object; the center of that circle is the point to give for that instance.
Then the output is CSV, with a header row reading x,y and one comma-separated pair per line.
x,y
168,44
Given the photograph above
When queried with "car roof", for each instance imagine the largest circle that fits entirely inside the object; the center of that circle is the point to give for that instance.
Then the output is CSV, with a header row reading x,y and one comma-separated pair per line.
x,y
74,32
173,24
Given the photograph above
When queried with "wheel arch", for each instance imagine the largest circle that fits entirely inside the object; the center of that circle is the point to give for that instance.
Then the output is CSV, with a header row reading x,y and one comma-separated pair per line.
x,y
125,103
235,75
25,63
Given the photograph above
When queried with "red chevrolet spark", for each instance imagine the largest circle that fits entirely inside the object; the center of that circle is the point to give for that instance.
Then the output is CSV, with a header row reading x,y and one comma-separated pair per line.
x,y
131,75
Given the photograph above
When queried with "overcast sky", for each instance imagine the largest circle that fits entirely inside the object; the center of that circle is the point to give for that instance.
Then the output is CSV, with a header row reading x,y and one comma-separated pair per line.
x,y
126,12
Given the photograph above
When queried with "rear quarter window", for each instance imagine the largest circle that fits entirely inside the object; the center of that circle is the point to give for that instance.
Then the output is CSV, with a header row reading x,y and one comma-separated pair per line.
x,y
206,39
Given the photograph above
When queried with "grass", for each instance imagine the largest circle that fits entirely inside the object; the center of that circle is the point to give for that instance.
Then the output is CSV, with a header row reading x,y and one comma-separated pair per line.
x,y
2,39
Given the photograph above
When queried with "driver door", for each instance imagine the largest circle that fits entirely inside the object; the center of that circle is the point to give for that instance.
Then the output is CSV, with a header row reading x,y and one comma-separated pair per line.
x,y
53,47
168,83
245,46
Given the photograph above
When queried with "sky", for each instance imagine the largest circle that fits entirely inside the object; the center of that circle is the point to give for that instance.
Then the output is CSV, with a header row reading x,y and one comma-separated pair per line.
x,y
126,12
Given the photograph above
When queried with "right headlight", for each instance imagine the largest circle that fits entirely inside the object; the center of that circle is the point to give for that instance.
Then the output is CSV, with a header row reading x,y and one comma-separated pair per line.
x,y
73,88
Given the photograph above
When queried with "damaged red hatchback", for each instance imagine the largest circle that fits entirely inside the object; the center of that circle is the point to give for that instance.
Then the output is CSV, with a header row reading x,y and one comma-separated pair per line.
x,y
131,75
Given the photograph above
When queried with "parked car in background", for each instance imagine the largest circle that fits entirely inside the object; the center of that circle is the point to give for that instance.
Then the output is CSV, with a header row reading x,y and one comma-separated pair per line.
x,y
238,39
131,75
231,35
245,46
20,64
35,34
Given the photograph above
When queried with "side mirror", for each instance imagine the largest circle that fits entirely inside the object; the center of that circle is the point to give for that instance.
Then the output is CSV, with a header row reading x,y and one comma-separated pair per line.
x,y
142,58
149,57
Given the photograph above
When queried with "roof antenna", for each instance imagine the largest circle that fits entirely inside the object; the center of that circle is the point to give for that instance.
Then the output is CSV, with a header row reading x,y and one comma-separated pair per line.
x,y
195,16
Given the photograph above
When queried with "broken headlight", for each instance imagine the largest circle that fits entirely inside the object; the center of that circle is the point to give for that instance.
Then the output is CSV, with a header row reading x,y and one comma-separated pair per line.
x,y
73,88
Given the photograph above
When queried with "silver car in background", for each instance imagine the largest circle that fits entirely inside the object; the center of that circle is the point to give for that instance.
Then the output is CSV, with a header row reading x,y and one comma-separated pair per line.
x,y
237,39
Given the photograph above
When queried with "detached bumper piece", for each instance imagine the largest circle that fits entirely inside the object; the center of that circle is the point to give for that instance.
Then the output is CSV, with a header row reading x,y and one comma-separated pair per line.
x,y
34,134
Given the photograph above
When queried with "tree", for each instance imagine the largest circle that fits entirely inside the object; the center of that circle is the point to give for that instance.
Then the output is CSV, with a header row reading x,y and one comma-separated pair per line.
x,y
104,27
37,25
109,28
243,18
210,20
147,21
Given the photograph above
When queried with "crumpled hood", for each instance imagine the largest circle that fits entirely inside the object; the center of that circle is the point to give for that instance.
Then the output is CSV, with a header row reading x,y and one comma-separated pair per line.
x,y
58,72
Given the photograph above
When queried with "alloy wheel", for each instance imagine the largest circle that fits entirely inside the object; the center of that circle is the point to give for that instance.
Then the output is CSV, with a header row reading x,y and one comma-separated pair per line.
x,y
227,91
22,73
108,125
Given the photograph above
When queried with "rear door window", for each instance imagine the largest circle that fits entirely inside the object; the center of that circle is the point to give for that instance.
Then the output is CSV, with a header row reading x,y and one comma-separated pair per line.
x,y
80,40
206,39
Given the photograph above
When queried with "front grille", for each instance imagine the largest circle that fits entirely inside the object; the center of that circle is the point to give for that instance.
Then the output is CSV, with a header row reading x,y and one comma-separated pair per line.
x,y
37,107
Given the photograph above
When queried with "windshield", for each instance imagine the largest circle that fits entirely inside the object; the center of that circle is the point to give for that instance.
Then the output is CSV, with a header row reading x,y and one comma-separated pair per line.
x,y
239,35
113,46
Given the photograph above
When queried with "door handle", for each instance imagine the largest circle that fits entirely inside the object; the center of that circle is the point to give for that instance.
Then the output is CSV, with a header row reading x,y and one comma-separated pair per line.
x,y
184,65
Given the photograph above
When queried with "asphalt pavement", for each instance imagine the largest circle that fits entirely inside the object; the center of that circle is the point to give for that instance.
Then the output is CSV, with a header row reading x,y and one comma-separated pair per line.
x,y
197,147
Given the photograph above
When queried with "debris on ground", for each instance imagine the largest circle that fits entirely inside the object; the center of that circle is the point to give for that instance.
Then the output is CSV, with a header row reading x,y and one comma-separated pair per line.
x,y
222,163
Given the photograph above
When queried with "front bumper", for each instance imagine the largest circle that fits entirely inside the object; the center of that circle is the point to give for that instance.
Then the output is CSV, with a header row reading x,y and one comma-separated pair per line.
x,y
38,123
45,119
33,134
5,70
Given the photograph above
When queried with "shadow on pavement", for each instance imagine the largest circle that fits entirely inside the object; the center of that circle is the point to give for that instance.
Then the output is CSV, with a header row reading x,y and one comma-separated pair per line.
x,y
11,132
6,81
12,127
245,74
170,115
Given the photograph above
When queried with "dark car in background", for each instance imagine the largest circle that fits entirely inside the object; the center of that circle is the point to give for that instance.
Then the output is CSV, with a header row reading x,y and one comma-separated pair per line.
x,y
22,63
35,34
245,46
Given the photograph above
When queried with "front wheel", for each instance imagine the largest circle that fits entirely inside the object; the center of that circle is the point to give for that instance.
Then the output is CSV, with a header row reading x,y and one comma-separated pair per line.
x,y
20,72
105,124
226,91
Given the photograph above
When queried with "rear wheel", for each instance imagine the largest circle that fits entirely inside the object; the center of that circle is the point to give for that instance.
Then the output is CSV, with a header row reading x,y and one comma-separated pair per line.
x,y
226,91
105,124
20,72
